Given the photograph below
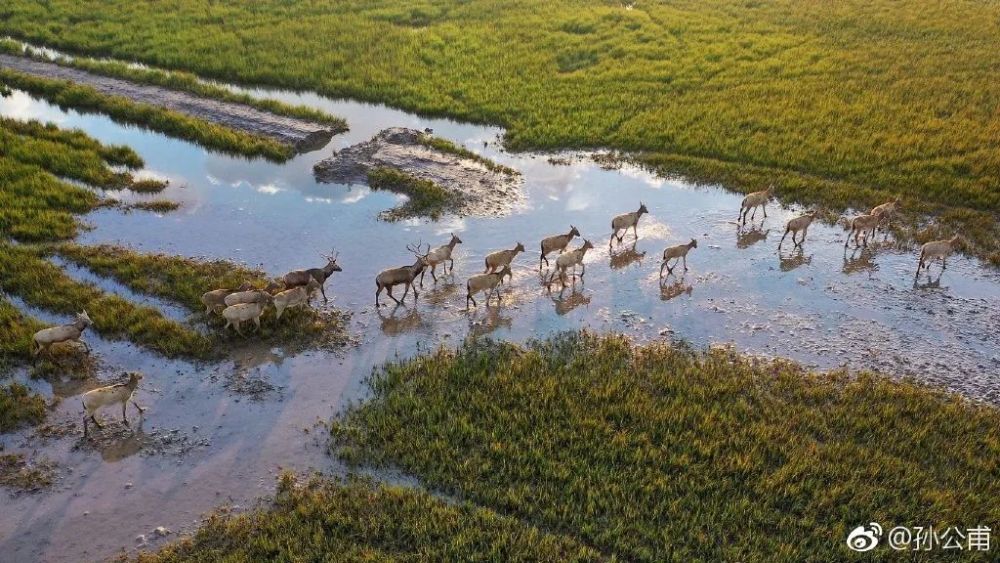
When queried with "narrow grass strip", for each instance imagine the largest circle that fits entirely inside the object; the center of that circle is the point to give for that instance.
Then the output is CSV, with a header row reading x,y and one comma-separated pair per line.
x,y
19,407
25,273
174,124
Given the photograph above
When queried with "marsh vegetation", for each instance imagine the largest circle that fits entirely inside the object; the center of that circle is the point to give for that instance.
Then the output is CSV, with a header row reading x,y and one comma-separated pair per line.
x,y
842,105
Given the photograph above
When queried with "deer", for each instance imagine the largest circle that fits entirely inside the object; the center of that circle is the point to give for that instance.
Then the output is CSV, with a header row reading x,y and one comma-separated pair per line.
x,y
885,212
248,296
441,255
110,395
753,201
236,315
386,279
296,278
500,258
859,227
677,253
215,300
570,260
937,249
73,331
624,221
490,283
295,297
797,225
557,242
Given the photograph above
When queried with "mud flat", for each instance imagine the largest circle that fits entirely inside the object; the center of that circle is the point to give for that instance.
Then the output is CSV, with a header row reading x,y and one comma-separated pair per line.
x,y
482,190
302,134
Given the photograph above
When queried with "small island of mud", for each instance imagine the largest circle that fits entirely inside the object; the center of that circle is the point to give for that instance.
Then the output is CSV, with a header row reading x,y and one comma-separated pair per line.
x,y
476,185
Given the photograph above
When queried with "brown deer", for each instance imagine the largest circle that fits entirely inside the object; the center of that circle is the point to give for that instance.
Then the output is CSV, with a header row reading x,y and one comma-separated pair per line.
x,y
387,279
301,277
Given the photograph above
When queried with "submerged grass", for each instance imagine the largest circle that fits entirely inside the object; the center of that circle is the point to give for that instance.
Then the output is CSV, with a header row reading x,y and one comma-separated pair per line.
x,y
20,476
172,123
19,407
358,520
425,197
661,453
178,80
898,97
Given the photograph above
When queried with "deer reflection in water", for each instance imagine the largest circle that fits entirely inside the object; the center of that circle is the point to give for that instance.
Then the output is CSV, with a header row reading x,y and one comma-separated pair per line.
x,y
860,260
788,261
749,236
489,320
626,257
394,324
674,289
576,298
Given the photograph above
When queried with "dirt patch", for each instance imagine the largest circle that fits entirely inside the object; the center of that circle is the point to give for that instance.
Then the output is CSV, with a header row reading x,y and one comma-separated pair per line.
x,y
303,135
480,189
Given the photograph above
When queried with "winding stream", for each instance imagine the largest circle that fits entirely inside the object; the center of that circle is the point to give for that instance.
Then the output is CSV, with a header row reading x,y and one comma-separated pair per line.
x,y
206,441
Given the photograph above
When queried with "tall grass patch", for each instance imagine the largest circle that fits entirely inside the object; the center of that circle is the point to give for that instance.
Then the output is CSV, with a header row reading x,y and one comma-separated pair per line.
x,y
662,453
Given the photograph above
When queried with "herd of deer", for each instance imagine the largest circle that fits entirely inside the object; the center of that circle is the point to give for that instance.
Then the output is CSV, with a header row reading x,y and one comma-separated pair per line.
x,y
245,303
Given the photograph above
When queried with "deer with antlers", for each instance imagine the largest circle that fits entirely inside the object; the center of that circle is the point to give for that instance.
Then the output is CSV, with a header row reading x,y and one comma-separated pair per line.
x,y
299,278
387,279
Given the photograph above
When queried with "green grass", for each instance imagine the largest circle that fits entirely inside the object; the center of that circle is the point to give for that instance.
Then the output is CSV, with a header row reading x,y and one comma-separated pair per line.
x,y
155,206
446,146
182,81
360,521
16,330
184,280
67,94
660,453
19,407
425,197
897,97
24,272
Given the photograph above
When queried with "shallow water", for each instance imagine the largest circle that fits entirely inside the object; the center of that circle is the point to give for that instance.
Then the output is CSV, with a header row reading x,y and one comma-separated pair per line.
x,y
237,424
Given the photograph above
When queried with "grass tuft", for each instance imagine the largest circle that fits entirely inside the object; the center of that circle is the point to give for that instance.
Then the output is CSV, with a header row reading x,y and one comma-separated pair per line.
x,y
19,407
425,197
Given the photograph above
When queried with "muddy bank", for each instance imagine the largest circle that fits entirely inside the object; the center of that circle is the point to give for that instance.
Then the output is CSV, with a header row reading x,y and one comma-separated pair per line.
x,y
303,135
480,189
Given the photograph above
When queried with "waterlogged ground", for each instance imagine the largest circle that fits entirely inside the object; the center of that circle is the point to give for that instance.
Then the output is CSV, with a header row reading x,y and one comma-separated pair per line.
x,y
218,434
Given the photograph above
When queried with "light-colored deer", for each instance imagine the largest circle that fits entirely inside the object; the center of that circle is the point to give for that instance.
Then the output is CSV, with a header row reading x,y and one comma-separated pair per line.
x,y
238,314
249,296
497,260
554,243
73,331
859,227
676,253
215,300
797,225
624,222
298,278
885,213
387,279
571,259
490,283
110,395
295,297
753,201
441,255
938,249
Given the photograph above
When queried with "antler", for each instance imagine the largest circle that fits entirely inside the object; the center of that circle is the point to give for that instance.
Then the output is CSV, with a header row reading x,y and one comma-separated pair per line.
x,y
416,249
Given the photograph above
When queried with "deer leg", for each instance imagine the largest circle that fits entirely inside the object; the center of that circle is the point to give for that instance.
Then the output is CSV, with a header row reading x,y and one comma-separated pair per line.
x,y
137,407
583,269
468,297
124,418
785,235
663,265
93,416
86,346
322,290
613,235
433,275
256,321
377,293
86,429
398,302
